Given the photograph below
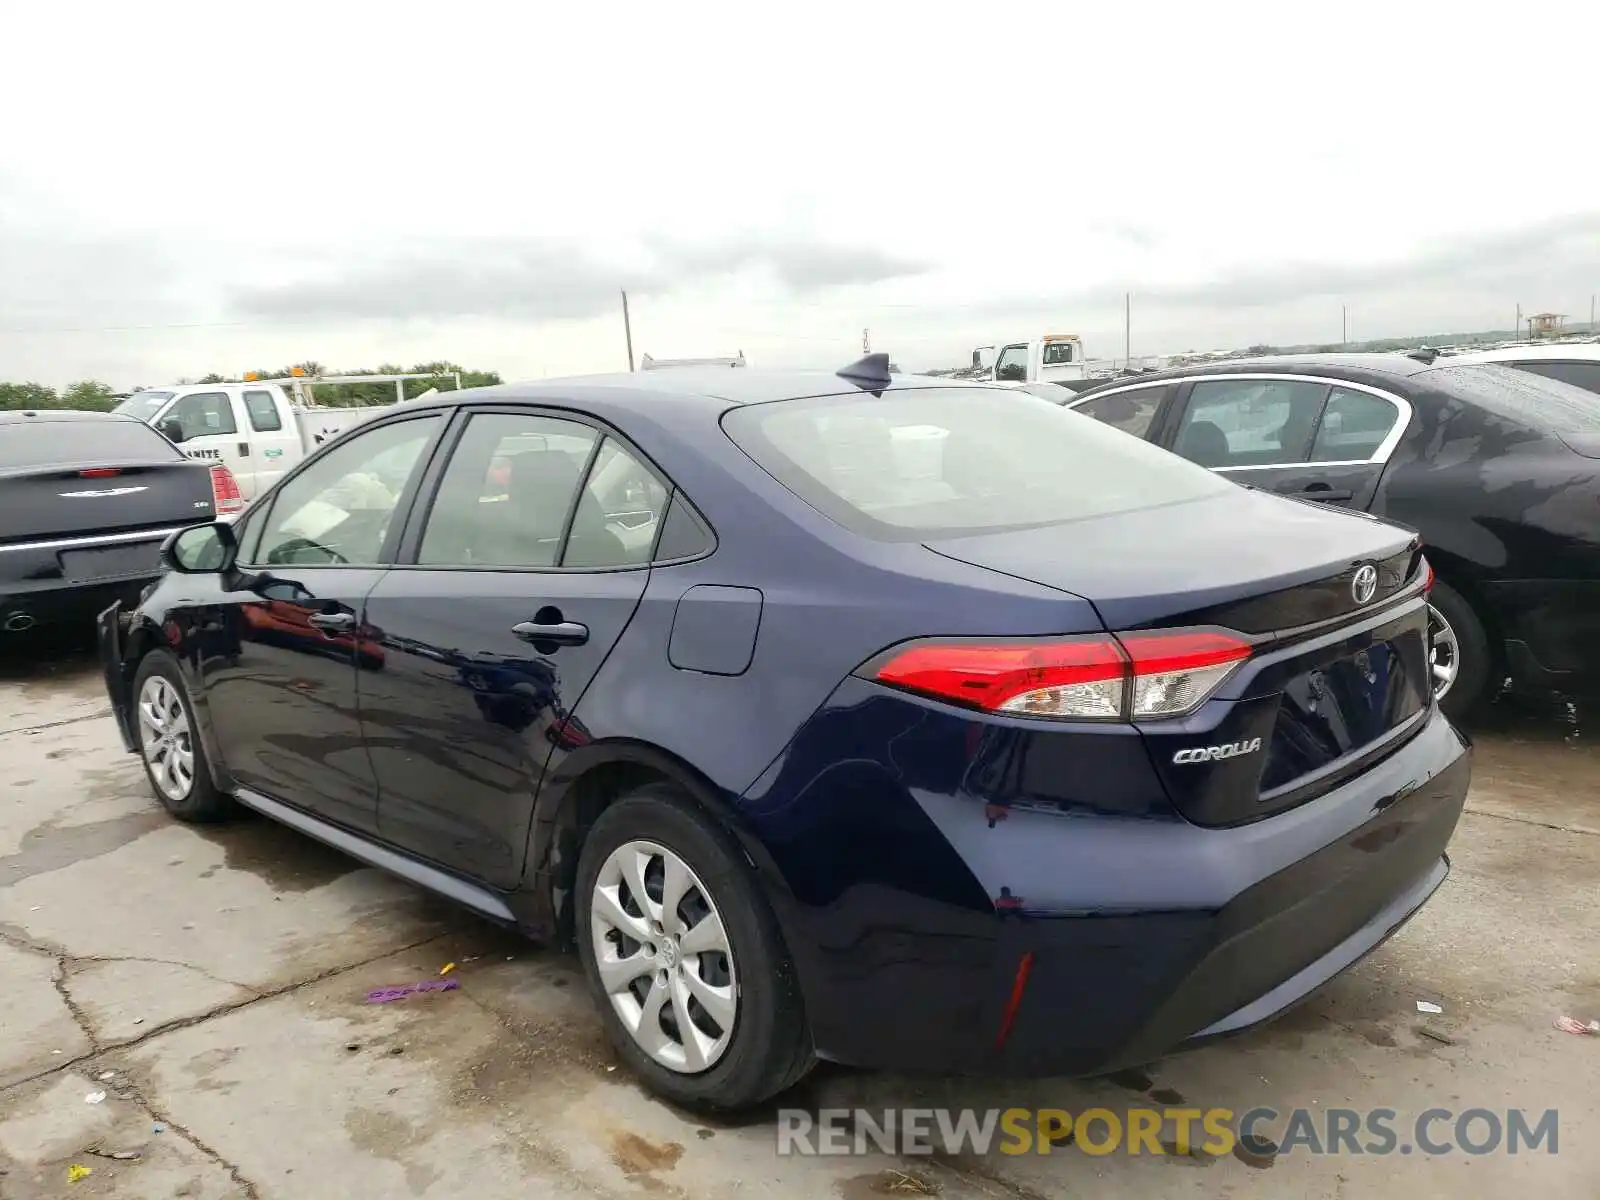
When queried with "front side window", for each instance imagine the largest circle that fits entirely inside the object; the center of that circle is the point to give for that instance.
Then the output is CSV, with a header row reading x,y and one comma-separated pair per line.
x,y
1249,422
339,509
263,412
1012,365
507,492
1131,411
202,413
920,463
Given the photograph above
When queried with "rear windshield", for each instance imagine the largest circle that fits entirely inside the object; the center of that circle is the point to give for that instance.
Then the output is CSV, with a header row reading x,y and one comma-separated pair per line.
x,y
143,405
1521,396
947,462
47,443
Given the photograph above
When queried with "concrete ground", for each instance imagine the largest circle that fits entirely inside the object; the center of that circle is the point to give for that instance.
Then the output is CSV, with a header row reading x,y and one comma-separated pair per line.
x,y
212,984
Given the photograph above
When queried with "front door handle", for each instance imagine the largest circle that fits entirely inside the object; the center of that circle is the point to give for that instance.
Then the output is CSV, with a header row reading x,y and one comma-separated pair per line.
x,y
334,622
562,633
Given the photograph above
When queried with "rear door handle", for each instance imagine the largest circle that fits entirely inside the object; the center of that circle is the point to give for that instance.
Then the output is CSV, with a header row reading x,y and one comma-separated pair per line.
x,y
333,622
1321,491
562,633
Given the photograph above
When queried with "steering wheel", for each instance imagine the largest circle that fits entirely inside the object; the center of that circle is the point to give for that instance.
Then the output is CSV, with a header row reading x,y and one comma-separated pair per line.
x,y
284,552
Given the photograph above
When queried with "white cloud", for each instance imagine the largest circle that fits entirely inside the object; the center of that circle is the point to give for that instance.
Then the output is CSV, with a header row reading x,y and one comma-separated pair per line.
x,y
186,188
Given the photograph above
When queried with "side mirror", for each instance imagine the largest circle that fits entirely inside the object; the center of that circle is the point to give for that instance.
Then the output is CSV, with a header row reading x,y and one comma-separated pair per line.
x,y
172,430
201,549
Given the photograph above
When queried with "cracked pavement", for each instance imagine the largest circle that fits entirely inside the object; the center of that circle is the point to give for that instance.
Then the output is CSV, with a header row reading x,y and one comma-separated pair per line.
x,y
212,983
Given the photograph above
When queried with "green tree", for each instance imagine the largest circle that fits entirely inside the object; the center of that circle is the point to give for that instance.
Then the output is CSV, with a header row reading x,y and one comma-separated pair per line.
x,y
89,394
27,395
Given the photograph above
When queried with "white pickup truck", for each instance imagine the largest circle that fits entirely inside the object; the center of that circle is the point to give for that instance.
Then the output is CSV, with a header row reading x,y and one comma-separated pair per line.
x,y
1054,358
250,428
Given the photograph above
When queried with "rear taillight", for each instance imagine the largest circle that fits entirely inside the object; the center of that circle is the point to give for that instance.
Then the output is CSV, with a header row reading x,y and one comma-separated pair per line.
x,y
1427,577
225,494
100,472
1134,676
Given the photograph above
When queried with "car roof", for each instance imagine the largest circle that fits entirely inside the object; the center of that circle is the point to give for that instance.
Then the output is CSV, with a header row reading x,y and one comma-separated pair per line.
x,y
34,416
711,390
1547,352
1398,366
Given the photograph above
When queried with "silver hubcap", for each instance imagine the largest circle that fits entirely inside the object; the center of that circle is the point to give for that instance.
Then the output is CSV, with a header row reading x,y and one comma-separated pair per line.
x,y
663,956
164,732
1446,653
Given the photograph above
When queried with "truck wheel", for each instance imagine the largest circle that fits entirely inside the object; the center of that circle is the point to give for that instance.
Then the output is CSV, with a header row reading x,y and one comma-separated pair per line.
x,y
1462,661
169,743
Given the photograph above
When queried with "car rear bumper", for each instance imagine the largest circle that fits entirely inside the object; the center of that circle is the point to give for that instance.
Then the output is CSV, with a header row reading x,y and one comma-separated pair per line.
x,y
1552,633
1112,942
57,601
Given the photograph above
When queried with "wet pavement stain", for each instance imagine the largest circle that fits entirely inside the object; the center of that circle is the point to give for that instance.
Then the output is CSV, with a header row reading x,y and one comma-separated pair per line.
x,y
639,1158
886,1183
284,860
384,1135
52,847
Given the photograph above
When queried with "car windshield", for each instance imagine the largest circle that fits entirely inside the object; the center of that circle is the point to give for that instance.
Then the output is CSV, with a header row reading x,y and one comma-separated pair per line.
x,y
143,405
916,464
1534,401
48,443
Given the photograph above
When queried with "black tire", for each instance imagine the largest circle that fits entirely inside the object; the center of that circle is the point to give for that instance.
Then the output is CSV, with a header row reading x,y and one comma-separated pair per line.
x,y
1478,665
770,1047
201,802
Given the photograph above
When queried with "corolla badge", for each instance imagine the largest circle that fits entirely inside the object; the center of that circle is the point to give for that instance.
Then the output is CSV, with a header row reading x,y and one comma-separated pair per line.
x,y
1364,585
128,491
1217,753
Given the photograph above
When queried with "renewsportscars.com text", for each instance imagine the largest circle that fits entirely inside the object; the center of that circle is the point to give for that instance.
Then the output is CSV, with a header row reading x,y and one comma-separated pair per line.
x,y
1213,1131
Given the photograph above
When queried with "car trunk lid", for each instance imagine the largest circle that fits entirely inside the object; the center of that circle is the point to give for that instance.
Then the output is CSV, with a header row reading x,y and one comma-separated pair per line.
x,y
86,499
1330,600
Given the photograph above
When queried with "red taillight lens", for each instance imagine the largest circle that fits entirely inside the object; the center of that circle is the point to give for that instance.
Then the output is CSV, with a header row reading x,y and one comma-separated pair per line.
x,y
1137,676
1427,577
1072,677
1174,672
100,473
225,494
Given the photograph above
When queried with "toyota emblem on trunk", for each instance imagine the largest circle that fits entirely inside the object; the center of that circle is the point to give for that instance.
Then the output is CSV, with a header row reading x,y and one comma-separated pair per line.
x,y
1365,584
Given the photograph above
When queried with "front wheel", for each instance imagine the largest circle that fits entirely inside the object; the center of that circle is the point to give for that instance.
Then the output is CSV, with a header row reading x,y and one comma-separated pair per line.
x,y
1461,660
169,743
684,956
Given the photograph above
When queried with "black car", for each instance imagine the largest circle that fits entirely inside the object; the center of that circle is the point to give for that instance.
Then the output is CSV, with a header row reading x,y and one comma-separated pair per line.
x,y
1498,470
86,500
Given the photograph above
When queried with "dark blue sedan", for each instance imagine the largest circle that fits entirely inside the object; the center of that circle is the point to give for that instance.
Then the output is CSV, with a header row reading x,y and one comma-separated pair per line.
x,y
867,718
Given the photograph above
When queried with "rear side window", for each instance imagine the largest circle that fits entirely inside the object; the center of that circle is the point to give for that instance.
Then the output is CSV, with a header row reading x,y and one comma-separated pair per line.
x,y
505,498
47,443
1354,424
1585,375
1131,411
1249,422
263,412
945,462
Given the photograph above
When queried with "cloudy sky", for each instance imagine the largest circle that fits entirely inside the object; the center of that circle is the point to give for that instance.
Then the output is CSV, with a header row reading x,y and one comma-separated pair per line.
x,y
186,189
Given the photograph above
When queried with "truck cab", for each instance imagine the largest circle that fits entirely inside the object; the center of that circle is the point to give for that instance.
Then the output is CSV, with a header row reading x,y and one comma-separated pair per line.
x,y
1054,358
249,428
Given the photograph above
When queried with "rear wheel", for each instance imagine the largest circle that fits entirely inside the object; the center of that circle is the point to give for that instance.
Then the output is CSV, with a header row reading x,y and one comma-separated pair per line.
x,y
684,956
1461,659
169,743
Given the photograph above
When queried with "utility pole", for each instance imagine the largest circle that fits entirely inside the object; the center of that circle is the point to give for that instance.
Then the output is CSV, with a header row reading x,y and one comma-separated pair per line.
x,y
1591,312
1518,329
627,330
1127,329
1344,325
866,342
